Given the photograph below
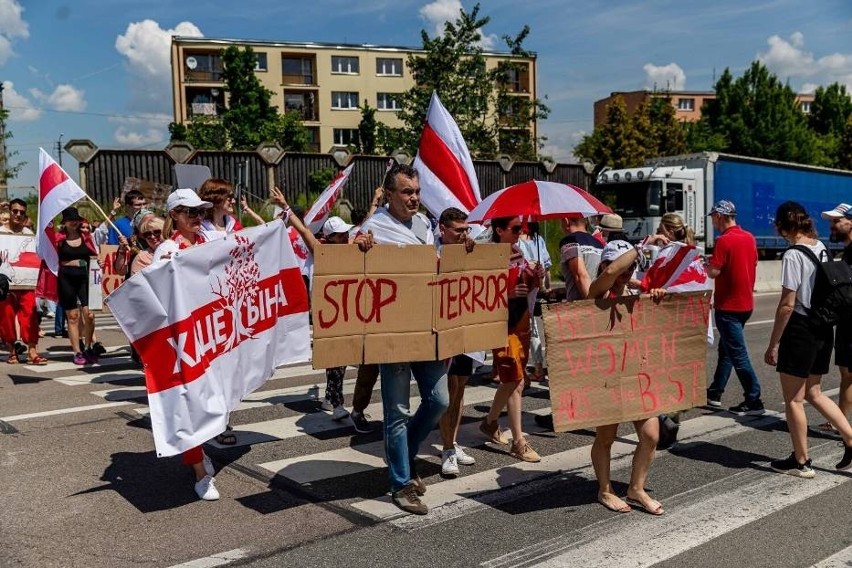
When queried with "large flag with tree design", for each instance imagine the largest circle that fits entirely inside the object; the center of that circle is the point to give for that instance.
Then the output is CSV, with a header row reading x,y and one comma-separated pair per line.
x,y
210,326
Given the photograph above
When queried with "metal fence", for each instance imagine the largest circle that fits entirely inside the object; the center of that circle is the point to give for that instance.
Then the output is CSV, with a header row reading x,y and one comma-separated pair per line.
x,y
103,171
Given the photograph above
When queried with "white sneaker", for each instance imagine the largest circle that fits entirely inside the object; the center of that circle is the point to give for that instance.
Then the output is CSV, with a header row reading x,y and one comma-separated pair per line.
x,y
208,466
449,463
462,457
339,414
206,489
326,405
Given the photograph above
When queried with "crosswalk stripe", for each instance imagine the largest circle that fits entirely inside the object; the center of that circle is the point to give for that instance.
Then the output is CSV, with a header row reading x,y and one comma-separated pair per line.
x,y
61,411
98,378
692,518
56,366
842,559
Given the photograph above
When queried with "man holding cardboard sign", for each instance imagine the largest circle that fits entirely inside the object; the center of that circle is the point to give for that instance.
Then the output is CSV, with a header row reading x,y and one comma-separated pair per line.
x,y
400,223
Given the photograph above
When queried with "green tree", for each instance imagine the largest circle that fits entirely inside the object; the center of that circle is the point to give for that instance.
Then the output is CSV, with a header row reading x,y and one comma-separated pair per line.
x,y
8,169
453,65
616,142
291,133
844,154
659,131
757,115
830,109
367,130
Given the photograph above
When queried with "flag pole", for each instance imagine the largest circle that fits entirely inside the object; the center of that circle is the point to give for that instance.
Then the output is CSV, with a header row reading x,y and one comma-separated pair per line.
x,y
101,211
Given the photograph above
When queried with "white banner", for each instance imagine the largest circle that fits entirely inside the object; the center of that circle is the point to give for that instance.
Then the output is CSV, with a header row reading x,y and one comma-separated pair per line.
x,y
210,326
319,211
22,263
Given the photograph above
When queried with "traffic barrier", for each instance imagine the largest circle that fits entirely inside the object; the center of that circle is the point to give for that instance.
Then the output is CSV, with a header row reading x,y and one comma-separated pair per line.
x,y
768,276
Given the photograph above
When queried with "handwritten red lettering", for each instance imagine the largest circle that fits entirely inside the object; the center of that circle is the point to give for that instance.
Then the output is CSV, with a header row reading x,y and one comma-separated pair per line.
x,y
649,399
370,297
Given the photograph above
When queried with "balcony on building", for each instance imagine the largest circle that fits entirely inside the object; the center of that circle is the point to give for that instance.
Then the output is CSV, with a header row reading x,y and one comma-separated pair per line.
x,y
202,67
518,78
204,101
298,69
303,102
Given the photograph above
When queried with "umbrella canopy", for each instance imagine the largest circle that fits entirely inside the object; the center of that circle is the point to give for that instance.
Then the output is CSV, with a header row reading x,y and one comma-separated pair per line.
x,y
538,200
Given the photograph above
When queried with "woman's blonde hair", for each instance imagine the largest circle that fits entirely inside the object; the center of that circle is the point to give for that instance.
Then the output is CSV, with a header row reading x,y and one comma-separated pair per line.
x,y
153,224
673,223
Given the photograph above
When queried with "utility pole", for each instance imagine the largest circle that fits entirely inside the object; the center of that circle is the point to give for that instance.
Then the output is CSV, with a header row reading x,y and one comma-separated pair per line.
x,y
4,190
59,149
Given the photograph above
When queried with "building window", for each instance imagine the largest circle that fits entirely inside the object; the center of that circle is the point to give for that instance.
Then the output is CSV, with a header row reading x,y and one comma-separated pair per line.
x,y
806,107
298,70
346,65
302,102
686,104
345,136
260,63
387,101
342,100
203,67
389,67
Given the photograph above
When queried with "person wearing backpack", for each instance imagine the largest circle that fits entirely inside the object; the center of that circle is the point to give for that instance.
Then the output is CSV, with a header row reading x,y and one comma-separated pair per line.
x,y
840,220
800,345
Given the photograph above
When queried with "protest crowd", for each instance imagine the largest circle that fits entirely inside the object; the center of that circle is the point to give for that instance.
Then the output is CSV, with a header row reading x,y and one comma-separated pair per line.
x,y
595,259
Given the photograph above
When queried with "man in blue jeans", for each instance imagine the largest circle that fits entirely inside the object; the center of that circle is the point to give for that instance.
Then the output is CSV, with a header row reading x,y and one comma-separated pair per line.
x,y
400,223
734,267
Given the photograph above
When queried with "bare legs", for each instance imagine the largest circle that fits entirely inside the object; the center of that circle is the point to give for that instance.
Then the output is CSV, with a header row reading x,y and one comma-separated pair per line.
x,y
508,396
648,431
797,390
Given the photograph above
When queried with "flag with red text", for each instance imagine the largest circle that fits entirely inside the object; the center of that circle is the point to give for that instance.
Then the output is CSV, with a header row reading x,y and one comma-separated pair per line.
x,y
319,211
447,177
211,325
678,268
56,191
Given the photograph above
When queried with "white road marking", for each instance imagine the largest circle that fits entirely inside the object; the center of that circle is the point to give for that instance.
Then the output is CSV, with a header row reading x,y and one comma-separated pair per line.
x,y
61,411
216,559
842,559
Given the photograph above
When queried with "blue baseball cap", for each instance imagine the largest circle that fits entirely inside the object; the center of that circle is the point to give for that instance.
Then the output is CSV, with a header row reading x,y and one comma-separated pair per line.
x,y
724,207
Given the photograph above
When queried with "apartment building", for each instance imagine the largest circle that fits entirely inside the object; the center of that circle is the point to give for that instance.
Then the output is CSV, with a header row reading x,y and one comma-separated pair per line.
x,y
325,83
687,104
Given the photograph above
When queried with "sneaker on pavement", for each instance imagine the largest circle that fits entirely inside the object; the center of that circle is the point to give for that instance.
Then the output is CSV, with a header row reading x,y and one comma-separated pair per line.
x,y
208,466
79,359
339,414
90,356
846,461
748,408
524,452
449,463
792,467
326,405
463,457
98,348
418,485
714,402
492,431
360,422
407,500
206,489
545,421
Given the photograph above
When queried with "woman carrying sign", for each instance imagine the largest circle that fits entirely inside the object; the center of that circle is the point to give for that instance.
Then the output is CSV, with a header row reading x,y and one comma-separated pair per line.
x,y
618,262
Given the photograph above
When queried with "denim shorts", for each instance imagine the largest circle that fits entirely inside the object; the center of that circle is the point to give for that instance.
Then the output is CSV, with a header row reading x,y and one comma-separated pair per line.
x,y
805,348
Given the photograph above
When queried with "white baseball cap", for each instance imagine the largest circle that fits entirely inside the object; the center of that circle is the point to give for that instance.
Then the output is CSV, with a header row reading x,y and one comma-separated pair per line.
x,y
614,250
185,197
335,225
842,210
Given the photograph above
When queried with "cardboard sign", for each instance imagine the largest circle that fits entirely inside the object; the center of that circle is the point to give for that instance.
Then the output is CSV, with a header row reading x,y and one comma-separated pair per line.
x,y
23,263
155,193
613,361
96,294
109,279
392,305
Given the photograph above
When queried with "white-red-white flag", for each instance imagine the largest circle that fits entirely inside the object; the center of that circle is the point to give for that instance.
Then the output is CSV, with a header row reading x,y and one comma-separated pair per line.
x,y
678,268
447,177
319,211
210,326
56,191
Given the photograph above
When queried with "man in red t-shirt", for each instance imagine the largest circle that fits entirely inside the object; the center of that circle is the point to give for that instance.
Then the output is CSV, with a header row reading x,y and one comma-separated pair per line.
x,y
734,267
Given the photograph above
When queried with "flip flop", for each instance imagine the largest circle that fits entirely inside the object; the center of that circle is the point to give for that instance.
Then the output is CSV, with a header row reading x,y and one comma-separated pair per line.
x,y
227,438
13,359
38,360
638,504
625,509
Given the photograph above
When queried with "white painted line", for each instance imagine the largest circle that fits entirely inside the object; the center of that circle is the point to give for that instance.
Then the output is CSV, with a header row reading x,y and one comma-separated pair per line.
x,y
842,559
69,365
61,411
708,512
758,322
99,378
215,560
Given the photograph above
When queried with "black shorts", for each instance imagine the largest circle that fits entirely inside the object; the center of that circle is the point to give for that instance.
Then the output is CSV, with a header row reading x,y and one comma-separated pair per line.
x,y
805,348
461,366
843,345
73,284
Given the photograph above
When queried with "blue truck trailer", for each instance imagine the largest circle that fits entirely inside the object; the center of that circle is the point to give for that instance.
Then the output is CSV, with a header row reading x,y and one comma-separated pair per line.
x,y
689,185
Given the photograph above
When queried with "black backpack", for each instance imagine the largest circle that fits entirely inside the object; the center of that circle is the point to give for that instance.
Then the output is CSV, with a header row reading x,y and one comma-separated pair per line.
x,y
831,299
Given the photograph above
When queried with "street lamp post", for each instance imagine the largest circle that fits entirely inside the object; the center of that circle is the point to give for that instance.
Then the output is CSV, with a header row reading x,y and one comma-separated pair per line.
x,y
59,149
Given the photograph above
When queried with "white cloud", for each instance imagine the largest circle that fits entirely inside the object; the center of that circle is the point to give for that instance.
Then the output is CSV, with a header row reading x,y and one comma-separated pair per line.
x,y
439,12
147,48
666,77
63,98
560,143
789,60
142,131
20,108
127,137
11,26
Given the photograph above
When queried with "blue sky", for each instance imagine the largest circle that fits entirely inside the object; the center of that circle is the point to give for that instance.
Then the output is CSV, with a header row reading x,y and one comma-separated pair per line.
x,y
99,69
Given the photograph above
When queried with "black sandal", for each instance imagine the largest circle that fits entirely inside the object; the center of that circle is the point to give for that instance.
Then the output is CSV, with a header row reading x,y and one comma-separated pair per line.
x,y
227,438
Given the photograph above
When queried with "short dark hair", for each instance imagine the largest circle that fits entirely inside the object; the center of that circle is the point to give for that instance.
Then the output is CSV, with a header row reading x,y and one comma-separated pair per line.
x,y
18,201
390,178
358,216
132,196
452,214
499,223
792,218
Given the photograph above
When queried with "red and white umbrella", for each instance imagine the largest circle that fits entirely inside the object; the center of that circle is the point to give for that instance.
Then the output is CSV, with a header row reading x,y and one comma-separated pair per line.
x,y
538,200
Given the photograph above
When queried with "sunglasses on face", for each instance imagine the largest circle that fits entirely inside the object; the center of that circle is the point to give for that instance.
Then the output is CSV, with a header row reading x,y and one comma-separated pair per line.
x,y
149,234
516,229
22,212
459,230
191,211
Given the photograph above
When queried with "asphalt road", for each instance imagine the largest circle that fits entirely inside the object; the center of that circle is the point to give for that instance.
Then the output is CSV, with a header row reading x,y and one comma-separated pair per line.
x,y
81,485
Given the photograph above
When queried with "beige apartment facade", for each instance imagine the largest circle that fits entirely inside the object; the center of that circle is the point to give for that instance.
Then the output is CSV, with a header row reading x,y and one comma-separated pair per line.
x,y
325,83
687,104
